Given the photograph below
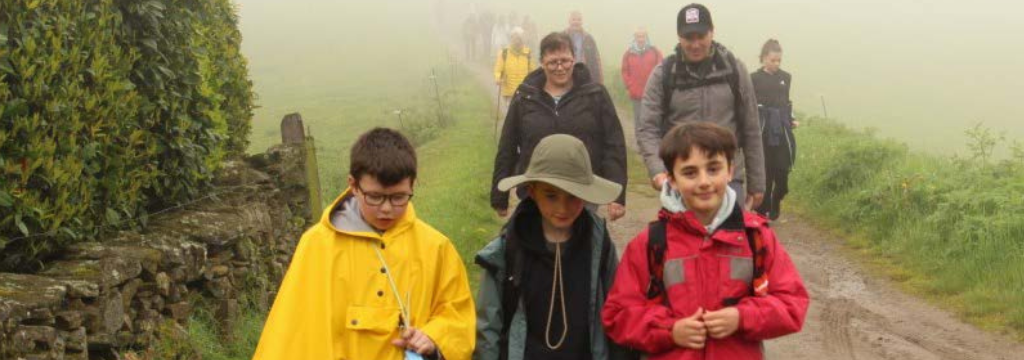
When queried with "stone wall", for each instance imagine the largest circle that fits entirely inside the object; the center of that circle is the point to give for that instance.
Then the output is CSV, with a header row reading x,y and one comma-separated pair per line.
x,y
98,298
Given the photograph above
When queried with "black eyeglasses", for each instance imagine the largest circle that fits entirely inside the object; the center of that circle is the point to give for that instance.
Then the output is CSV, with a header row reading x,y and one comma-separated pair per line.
x,y
555,64
377,199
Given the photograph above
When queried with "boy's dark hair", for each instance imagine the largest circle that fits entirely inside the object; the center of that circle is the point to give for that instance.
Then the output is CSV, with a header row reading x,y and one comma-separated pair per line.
x,y
770,46
556,41
384,154
710,138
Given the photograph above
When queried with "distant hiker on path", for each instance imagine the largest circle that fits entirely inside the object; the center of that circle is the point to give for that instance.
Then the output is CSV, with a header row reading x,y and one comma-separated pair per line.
x,y
585,47
530,36
561,98
499,34
512,65
776,112
703,81
637,63
469,36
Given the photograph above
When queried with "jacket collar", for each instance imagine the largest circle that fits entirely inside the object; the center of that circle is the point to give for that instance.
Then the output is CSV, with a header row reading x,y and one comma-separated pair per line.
x,y
492,256
351,226
717,61
736,221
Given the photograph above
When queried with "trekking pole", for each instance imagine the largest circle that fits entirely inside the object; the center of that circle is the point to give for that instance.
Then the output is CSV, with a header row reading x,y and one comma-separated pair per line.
x,y
401,122
824,109
497,112
437,95
453,64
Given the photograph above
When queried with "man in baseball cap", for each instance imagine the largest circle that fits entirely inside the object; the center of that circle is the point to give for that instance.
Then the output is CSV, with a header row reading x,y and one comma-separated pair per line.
x,y
703,82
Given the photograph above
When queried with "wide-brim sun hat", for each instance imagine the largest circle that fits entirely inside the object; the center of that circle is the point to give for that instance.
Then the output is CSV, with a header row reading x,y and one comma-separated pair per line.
x,y
562,161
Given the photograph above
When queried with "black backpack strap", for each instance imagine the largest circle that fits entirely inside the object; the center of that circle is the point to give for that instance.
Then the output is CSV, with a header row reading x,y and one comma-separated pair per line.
x,y
657,246
734,80
738,106
756,242
668,67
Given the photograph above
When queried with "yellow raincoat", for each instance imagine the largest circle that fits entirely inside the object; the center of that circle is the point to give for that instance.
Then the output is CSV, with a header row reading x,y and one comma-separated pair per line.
x,y
336,302
512,68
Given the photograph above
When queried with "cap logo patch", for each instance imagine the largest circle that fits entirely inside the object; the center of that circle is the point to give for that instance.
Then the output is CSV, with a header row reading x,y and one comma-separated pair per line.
x,y
692,16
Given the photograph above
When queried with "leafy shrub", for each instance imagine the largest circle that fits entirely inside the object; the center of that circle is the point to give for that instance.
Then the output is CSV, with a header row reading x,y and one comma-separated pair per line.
x,y
110,108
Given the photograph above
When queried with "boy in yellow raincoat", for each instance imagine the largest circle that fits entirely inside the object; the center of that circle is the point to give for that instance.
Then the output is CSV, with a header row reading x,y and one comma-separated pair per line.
x,y
370,280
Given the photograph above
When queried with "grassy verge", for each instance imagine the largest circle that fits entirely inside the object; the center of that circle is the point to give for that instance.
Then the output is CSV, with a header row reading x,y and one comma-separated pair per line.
x,y
947,229
453,190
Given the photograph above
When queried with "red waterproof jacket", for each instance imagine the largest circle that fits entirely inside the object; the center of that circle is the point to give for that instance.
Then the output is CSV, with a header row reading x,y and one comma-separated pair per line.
x,y
702,271
636,69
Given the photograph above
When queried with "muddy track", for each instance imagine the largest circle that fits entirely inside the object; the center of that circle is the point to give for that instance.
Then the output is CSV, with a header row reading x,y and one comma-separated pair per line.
x,y
852,315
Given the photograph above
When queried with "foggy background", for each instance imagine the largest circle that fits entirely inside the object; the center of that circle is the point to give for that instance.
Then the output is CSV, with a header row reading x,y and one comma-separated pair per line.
x,y
920,72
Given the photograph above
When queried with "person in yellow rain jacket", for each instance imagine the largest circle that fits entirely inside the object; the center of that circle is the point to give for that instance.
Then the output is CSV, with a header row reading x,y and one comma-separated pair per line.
x,y
512,66
370,280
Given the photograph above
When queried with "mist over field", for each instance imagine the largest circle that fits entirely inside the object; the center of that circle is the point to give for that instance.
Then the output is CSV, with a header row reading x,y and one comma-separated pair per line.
x,y
921,72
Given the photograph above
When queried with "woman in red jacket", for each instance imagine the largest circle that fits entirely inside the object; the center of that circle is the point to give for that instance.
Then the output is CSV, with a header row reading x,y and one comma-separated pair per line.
x,y
637,64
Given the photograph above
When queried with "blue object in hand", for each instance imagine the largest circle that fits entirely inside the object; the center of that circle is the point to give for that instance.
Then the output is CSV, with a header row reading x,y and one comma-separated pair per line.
x,y
412,355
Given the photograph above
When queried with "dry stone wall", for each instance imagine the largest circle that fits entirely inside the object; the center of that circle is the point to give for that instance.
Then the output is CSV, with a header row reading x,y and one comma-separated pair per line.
x,y
97,298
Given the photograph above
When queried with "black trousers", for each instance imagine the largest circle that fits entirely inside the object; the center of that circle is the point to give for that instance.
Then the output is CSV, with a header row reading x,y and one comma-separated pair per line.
x,y
778,162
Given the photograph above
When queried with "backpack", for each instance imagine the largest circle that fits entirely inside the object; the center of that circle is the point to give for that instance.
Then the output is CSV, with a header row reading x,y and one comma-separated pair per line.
x,y
657,246
504,61
668,85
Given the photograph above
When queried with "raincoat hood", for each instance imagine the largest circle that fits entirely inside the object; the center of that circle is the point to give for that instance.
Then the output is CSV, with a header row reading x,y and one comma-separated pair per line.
x,y
672,202
636,49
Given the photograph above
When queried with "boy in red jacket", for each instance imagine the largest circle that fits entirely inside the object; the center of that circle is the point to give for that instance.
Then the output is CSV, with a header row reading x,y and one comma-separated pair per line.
x,y
707,280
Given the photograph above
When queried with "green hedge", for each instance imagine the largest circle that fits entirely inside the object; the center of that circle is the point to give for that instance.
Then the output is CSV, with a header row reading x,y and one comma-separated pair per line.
x,y
952,225
110,109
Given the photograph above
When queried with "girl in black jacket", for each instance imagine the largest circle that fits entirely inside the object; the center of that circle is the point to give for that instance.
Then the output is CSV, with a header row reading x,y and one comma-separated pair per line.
x,y
771,84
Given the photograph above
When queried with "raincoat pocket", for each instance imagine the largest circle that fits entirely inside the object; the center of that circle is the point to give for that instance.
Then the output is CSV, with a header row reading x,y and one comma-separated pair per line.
x,y
371,319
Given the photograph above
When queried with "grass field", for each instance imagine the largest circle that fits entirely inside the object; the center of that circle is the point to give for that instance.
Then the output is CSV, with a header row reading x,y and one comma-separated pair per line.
x,y
949,229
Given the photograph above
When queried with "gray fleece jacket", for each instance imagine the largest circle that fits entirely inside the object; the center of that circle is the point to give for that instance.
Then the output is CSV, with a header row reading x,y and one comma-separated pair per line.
x,y
713,103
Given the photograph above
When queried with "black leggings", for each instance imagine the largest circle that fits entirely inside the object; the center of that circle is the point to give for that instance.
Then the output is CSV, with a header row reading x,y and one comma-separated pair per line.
x,y
778,162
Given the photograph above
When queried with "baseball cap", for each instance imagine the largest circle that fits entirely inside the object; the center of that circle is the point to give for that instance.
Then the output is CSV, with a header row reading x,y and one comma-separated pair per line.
x,y
694,18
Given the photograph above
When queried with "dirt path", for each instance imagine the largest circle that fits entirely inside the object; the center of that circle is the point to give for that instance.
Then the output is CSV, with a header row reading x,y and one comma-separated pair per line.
x,y
852,315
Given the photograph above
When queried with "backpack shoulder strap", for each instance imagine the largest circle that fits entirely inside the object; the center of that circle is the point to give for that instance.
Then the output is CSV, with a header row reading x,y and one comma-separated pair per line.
x,y
759,284
668,67
657,246
734,85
